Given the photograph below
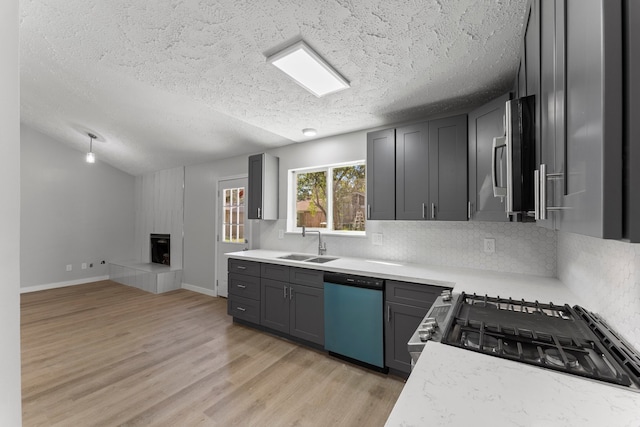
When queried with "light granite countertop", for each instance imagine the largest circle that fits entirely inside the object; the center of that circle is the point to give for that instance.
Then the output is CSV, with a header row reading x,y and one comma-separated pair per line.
x,y
453,387
492,283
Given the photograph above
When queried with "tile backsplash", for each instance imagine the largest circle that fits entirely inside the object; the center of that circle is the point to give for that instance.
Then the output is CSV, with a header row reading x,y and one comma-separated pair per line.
x,y
519,248
606,276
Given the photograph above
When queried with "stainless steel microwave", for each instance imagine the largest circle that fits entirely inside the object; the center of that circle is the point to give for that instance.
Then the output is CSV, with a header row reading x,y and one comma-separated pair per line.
x,y
514,159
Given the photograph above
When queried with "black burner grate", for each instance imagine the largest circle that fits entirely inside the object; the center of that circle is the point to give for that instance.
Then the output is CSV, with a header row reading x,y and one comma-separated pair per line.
x,y
556,337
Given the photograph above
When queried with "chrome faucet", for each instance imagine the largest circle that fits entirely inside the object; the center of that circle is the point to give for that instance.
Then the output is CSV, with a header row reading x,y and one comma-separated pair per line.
x,y
322,248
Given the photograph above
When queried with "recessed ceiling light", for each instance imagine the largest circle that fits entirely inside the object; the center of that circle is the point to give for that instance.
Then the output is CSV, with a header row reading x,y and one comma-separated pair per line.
x,y
309,132
308,69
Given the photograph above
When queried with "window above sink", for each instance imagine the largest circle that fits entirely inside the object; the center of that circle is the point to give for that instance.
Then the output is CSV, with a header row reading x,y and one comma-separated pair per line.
x,y
329,198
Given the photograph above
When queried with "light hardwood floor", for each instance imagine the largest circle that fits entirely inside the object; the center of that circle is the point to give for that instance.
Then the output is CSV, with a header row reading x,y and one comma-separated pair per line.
x,y
105,354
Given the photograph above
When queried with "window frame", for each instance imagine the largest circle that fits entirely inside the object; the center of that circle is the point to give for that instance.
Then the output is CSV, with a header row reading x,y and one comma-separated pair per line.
x,y
292,198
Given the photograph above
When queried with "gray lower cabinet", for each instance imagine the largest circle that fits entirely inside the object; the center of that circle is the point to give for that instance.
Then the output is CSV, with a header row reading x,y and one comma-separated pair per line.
x,y
274,303
401,321
485,123
406,304
244,290
293,308
306,313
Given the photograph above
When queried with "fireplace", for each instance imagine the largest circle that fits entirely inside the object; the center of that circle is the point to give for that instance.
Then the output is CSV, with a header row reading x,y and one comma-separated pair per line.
x,y
161,249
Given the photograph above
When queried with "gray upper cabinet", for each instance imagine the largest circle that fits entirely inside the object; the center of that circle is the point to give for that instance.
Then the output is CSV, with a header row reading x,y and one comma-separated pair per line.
x,y
448,169
430,171
485,123
632,108
550,103
412,172
381,174
263,187
582,135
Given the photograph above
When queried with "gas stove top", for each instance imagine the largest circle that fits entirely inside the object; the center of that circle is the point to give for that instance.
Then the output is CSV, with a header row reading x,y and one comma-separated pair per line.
x,y
558,337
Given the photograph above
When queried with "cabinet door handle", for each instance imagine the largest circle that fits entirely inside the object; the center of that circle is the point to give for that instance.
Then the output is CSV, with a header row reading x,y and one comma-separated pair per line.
x,y
433,211
241,286
241,267
259,213
285,292
540,192
368,211
290,293
388,313
423,214
469,207
536,195
241,309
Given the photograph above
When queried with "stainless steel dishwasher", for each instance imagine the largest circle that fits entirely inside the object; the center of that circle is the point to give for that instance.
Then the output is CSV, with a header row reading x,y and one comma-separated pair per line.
x,y
353,318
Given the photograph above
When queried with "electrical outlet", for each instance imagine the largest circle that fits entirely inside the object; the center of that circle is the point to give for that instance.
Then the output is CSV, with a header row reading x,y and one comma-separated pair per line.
x,y
489,245
280,234
377,239
84,266
69,267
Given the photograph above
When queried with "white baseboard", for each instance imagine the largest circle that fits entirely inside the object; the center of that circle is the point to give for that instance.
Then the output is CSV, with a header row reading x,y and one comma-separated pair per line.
x,y
62,284
199,289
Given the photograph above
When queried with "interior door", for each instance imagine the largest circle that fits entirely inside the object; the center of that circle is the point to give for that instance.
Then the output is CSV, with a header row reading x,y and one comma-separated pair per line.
x,y
231,232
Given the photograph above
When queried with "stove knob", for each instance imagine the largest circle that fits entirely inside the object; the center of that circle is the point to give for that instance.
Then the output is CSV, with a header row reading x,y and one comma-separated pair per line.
x,y
446,295
425,334
430,321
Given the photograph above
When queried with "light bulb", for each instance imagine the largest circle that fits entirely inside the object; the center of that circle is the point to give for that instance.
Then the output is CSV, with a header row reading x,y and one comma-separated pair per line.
x,y
91,158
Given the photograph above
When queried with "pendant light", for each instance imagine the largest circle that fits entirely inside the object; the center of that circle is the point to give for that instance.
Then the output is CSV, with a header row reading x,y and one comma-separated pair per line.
x,y
91,158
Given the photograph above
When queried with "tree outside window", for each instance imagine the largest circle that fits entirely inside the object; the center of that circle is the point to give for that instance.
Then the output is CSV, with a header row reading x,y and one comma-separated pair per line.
x,y
337,207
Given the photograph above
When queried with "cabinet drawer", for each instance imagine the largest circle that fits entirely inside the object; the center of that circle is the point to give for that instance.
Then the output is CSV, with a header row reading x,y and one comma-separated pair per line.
x,y
250,268
244,308
244,286
412,293
303,276
275,272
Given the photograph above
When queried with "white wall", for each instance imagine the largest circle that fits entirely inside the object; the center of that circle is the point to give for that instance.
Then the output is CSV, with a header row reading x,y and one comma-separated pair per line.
x,y
10,396
72,213
606,275
200,216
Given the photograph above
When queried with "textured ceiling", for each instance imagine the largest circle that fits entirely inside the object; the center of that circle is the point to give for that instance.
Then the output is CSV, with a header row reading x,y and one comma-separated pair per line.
x,y
170,83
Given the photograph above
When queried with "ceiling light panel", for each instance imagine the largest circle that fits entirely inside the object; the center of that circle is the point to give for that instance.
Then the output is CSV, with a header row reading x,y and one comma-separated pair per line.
x,y
308,69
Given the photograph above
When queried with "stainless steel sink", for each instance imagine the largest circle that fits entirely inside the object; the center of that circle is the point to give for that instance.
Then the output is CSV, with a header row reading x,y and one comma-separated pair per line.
x,y
296,257
308,258
320,260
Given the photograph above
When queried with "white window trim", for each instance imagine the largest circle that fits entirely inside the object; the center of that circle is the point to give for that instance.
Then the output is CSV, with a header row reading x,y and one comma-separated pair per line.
x,y
292,196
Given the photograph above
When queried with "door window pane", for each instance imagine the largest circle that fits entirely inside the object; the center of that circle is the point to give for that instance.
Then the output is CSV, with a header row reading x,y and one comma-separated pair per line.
x,y
233,214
